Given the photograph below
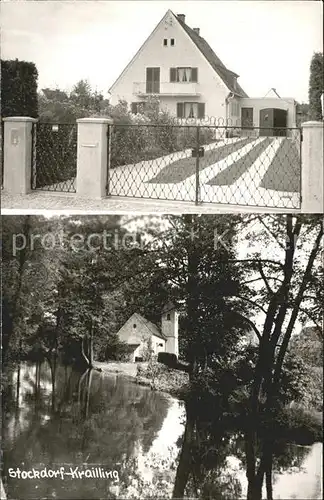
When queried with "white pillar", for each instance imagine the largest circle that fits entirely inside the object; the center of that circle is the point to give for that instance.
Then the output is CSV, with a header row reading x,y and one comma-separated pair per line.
x,y
92,157
312,168
17,154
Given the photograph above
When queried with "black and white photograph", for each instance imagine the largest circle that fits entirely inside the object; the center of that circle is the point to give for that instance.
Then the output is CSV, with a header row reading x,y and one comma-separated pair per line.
x,y
171,106
173,356
162,249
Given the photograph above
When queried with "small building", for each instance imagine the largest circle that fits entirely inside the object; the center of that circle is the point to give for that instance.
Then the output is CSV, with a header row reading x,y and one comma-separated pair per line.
x,y
178,66
144,337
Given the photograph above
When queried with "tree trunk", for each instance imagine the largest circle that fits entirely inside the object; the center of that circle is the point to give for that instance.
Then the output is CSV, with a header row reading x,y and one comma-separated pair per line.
x,y
84,355
269,483
88,390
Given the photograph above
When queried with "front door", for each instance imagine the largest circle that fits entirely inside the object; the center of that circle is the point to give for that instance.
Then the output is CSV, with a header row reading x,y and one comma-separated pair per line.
x,y
280,122
266,122
152,80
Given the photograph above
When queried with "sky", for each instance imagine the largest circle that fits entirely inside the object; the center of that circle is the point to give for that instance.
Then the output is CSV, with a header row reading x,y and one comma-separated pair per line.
x,y
268,43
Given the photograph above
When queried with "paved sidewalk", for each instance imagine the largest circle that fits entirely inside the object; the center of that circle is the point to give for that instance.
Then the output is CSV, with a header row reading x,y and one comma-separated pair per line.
x,y
38,202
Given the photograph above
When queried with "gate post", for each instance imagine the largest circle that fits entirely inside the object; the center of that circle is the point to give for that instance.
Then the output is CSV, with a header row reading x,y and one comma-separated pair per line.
x,y
17,151
197,191
312,168
92,159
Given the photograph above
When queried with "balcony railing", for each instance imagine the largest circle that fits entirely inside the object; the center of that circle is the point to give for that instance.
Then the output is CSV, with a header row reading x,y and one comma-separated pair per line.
x,y
167,88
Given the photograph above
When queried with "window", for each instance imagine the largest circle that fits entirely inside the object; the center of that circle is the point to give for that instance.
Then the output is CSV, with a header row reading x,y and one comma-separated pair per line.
x,y
247,117
172,42
137,107
134,325
191,110
183,74
168,317
160,345
165,42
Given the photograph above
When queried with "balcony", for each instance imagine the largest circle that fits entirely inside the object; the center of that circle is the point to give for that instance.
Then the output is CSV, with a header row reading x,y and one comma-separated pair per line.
x,y
168,89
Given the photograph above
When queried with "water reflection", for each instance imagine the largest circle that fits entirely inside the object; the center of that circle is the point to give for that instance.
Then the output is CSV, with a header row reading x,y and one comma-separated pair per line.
x,y
75,418
54,416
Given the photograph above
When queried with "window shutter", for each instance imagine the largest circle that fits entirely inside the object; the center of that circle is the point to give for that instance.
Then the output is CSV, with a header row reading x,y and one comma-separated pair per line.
x,y
194,75
201,110
134,107
173,74
149,74
180,109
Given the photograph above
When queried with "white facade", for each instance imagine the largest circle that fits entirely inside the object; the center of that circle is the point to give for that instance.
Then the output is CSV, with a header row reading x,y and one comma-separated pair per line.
x,y
212,96
143,336
170,328
258,103
209,89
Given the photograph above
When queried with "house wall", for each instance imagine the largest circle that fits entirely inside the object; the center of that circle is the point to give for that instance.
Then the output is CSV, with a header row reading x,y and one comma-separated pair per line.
x,y
158,345
262,103
184,53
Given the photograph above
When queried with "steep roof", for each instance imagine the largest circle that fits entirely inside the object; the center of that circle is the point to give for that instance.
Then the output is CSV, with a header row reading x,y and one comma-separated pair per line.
x,y
225,74
151,328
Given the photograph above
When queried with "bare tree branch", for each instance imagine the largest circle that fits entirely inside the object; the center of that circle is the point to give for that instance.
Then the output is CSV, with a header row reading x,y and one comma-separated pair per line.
x,y
265,278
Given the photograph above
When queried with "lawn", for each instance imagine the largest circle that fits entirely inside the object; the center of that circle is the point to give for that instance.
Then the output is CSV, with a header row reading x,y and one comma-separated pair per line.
x,y
234,171
180,170
284,171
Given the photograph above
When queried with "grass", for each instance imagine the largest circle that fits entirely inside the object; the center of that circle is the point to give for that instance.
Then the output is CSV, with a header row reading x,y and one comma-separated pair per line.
x,y
284,171
234,171
180,170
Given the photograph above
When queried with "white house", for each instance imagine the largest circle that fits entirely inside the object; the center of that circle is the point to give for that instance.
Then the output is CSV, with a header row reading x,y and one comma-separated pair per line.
x,y
142,335
177,64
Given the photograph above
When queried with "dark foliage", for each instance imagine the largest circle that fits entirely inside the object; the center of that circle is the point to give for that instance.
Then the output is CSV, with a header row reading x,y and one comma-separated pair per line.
x,y
19,88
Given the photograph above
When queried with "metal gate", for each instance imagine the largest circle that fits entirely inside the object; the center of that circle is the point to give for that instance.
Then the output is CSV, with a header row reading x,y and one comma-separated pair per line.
x,y
2,150
198,163
54,157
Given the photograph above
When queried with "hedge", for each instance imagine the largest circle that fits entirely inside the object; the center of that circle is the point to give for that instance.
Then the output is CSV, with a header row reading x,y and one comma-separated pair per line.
x,y
18,88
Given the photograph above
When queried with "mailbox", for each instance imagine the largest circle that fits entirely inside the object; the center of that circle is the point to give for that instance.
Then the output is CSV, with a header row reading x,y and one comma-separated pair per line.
x,y
197,152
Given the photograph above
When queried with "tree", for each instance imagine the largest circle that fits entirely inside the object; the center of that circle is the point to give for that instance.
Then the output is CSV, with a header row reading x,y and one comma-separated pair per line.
x,y
302,112
56,105
316,86
288,292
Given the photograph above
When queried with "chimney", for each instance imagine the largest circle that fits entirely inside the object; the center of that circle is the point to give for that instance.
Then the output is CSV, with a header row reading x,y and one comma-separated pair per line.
x,y
181,18
196,30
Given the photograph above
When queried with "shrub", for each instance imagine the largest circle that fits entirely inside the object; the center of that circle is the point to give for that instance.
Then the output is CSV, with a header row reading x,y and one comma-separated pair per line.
x,y
168,359
150,134
299,425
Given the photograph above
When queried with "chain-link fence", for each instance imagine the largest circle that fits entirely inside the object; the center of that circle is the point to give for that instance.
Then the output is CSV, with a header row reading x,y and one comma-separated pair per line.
x,y
232,165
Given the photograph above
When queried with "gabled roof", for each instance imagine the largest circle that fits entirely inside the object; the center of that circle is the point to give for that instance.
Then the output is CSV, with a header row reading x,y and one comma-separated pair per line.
x,y
273,93
225,74
147,327
228,76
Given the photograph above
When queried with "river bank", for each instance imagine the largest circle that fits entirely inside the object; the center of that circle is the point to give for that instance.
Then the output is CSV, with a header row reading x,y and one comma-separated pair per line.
x,y
151,374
